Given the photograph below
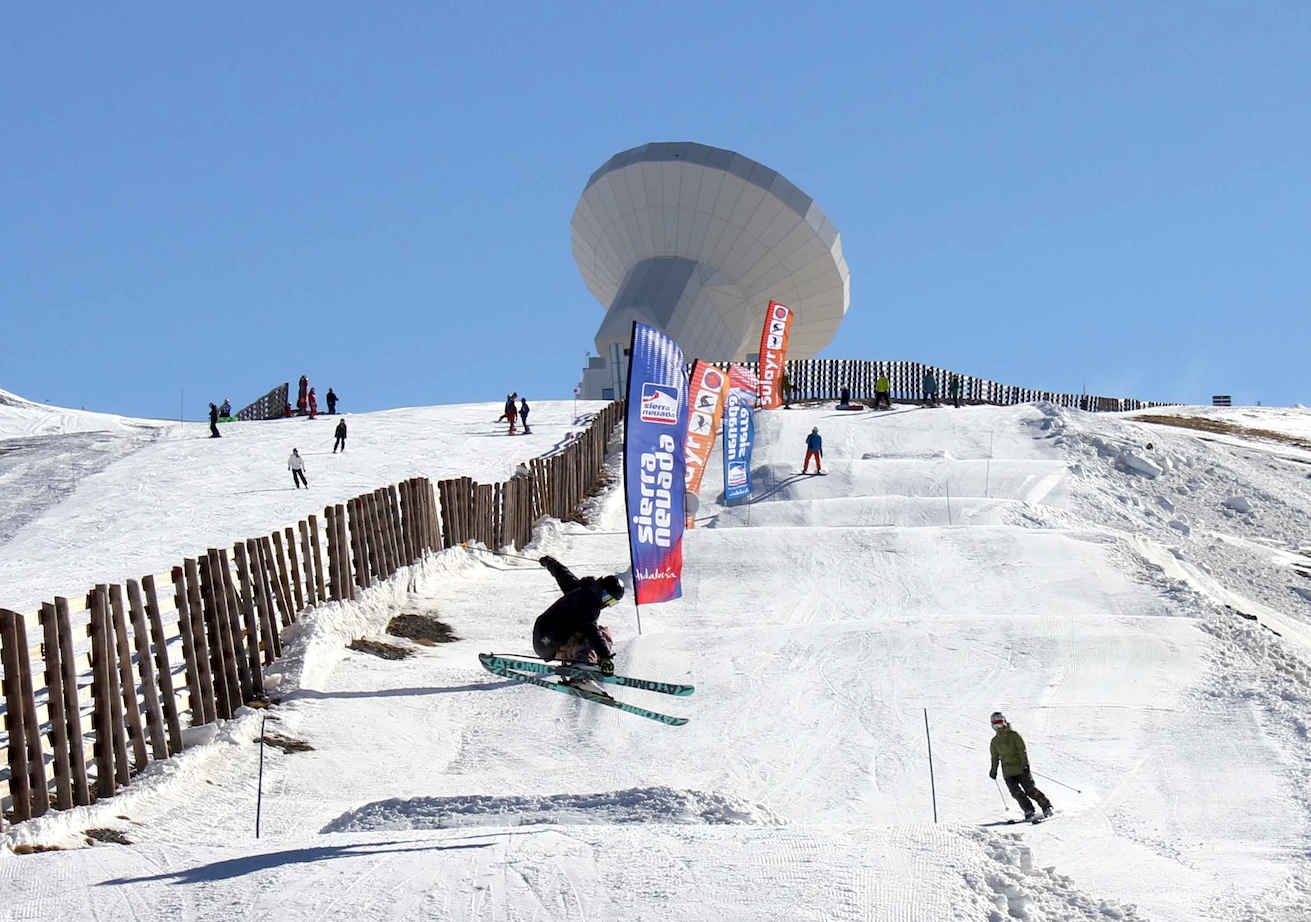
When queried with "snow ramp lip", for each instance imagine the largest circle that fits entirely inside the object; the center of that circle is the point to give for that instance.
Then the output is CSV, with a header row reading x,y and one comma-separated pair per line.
x,y
629,806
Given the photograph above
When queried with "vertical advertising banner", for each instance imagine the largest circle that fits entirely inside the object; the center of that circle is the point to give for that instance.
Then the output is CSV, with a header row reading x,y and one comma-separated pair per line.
x,y
773,352
706,390
739,433
655,472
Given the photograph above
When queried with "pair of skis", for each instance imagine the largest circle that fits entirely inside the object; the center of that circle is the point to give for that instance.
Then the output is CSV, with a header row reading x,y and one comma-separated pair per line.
x,y
529,672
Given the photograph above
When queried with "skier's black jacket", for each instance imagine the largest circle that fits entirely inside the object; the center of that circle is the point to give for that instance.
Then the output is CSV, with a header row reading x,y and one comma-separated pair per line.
x,y
574,612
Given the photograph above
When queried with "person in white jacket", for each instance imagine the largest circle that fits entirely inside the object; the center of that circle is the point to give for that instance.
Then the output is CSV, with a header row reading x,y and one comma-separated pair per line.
x,y
296,464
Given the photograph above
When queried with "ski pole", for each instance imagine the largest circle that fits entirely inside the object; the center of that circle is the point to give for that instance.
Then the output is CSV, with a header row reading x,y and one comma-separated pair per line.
x,y
488,550
1061,783
1006,808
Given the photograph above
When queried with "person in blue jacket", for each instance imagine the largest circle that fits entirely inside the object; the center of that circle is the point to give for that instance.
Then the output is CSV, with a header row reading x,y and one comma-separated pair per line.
x,y
814,449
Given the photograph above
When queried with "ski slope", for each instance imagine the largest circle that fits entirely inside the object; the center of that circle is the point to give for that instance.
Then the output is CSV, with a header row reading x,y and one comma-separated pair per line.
x,y
952,563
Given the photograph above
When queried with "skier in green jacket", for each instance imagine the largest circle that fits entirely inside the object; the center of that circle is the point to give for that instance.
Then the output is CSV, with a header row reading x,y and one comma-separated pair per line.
x,y
1007,747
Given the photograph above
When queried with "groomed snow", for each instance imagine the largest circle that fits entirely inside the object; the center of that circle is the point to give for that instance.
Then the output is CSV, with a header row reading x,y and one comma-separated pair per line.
x,y
952,563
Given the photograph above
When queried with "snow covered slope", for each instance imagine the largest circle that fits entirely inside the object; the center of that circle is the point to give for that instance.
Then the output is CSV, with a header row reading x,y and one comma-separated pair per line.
x,y
952,563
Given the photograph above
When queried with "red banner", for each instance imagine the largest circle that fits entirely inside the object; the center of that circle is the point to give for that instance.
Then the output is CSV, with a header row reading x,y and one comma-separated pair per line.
x,y
705,407
773,352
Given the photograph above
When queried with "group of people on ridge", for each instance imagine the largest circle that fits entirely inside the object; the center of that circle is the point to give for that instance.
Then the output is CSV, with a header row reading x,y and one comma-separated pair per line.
x,y
514,414
307,402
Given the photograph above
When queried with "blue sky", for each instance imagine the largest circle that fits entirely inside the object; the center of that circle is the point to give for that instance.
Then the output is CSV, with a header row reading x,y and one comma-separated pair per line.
x,y
199,204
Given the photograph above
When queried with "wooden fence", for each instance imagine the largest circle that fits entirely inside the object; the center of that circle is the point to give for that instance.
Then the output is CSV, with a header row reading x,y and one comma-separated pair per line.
x,y
272,405
95,688
823,379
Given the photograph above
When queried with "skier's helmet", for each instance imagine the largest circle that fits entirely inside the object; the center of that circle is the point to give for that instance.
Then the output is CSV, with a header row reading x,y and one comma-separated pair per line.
x,y
999,721
612,590
815,431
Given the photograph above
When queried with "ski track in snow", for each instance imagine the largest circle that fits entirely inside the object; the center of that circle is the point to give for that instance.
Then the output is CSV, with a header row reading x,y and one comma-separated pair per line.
x,y
1032,559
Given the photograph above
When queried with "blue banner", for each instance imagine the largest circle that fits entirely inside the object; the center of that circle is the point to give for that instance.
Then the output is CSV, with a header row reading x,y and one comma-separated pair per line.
x,y
655,476
739,433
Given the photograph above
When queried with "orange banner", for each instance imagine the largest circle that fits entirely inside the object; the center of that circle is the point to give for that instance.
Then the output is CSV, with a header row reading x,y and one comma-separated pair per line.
x,y
773,352
706,389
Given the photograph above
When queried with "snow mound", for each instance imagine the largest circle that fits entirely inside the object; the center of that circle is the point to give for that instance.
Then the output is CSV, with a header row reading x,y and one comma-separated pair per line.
x,y
634,805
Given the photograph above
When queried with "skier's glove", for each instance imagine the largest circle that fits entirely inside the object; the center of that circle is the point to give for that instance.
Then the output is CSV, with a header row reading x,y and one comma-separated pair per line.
x,y
607,666
1026,769
992,775
546,560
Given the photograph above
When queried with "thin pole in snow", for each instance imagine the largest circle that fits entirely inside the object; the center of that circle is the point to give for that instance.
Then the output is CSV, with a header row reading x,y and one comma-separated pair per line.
x,y
637,608
259,789
932,787
182,403
948,485
987,471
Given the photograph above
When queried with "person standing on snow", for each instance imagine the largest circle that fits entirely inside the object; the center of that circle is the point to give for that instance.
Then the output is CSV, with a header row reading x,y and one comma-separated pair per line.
x,y
568,631
332,402
814,449
226,408
523,415
1007,747
882,393
314,404
213,422
340,436
296,464
511,411
953,388
930,385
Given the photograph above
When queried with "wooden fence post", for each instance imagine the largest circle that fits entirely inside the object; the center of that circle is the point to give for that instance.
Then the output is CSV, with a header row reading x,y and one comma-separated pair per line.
x,y
146,669
311,596
200,684
334,574
73,709
268,620
227,609
241,620
223,659
355,514
163,668
111,741
284,580
319,588
295,569
370,509
343,550
56,707
127,682
20,779
280,594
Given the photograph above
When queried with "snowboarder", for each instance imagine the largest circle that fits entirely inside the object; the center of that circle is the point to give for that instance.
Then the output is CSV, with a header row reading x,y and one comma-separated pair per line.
x,y
314,404
226,409
1007,747
341,436
213,422
332,402
296,464
300,397
930,385
568,631
814,449
523,415
844,399
882,393
953,388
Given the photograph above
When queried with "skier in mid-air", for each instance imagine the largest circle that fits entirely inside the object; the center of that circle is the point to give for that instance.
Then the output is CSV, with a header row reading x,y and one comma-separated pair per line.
x,y
1007,747
568,630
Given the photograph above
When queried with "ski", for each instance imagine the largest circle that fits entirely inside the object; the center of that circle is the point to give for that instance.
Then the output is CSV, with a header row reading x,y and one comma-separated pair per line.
x,y
506,672
581,671
1019,822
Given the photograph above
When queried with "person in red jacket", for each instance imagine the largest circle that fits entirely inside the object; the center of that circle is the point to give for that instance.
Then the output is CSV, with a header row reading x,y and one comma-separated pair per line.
x,y
314,404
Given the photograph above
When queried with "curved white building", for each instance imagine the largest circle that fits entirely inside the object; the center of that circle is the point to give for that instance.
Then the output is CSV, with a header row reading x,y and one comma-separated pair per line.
x,y
696,241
